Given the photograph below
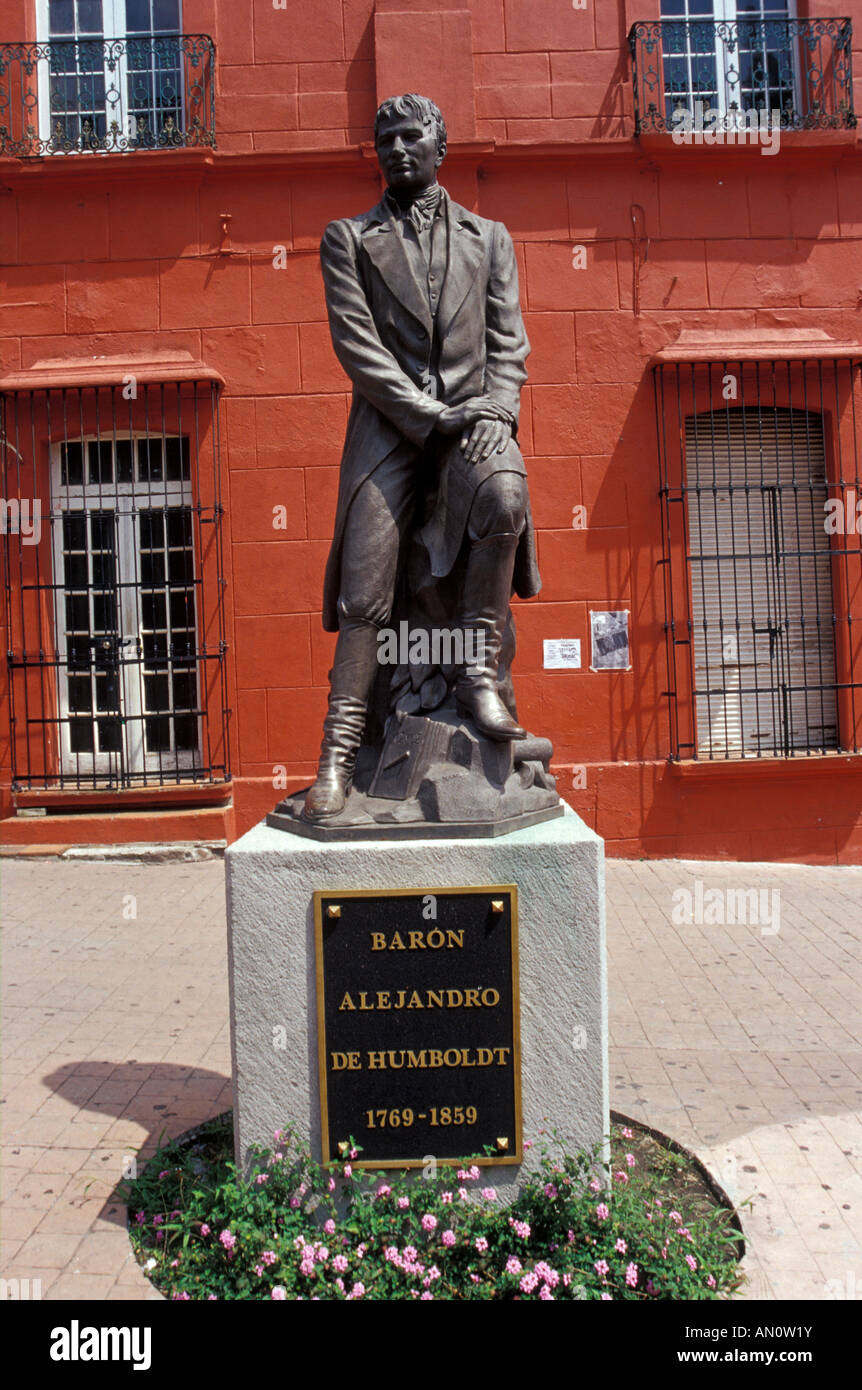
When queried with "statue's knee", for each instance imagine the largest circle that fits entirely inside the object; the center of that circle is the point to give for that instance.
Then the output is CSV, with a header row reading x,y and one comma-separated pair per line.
x,y
375,610
500,506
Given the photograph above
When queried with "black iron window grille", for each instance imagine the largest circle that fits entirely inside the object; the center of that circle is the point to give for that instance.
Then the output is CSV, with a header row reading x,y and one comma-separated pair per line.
x,y
761,501
114,586
107,95
760,62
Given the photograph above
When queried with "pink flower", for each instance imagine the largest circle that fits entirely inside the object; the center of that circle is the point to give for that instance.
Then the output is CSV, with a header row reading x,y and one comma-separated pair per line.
x,y
529,1281
261,1179
513,1265
331,1185
481,1244
403,1203
426,1297
602,1211
710,1282
621,1246
384,1190
626,1133
446,1198
278,1293
528,1143
348,1171
606,1298
595,1185
632,1275
550,1190
462,1194
545,1294
675,1216
339,1264
448,1238
630,1160
489,1193
358,1290
269,1257
228,1240
547,1274
429,1222
205,1230
602,1268
141,1218
691,1262
258,1269
329,1227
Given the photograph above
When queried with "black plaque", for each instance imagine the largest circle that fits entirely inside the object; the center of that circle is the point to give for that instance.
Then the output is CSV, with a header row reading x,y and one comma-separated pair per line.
x,y
417,1011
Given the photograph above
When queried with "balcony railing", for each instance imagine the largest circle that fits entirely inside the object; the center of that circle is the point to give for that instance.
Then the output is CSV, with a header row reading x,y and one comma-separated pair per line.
x,y
797,71
98,96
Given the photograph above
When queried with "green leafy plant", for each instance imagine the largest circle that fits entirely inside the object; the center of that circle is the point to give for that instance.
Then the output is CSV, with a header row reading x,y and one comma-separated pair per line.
x,y
294,1230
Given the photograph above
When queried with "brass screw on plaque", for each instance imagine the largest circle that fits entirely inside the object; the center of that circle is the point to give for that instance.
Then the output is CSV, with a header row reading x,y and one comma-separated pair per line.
x,y
502,1145
334,910
497,904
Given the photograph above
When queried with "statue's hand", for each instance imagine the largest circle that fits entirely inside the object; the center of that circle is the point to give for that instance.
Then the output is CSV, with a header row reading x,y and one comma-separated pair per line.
x,y
458,419
484,438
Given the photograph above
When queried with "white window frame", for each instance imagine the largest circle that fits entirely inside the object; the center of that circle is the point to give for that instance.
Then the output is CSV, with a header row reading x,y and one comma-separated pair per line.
x,y
726,11
126,499
113,27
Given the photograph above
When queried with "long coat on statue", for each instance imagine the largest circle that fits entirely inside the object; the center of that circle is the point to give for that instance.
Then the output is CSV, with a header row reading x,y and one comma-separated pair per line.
x,y
384,337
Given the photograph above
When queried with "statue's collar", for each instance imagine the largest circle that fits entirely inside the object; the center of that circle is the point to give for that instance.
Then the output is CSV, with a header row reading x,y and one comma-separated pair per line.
x,y
420,211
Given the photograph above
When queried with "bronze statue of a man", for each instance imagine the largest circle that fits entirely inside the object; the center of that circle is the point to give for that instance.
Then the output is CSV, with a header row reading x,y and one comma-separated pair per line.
x,y
423,307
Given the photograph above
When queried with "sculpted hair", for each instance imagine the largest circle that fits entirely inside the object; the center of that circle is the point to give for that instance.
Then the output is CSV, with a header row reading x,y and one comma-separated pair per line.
x,y
421,108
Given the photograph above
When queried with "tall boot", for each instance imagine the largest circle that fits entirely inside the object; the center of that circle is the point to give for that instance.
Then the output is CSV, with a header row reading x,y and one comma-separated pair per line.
x,y
485,608
351,681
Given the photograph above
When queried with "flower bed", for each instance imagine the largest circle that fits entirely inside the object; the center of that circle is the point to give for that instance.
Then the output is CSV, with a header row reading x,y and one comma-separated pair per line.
x,y
575,1230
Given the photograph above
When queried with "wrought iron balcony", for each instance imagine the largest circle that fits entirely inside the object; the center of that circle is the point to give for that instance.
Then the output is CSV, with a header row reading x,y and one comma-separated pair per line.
x,y
800,69
97,96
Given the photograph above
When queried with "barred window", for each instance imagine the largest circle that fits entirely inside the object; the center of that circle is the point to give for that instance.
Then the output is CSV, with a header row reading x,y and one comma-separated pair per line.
x,y
762,558
115,591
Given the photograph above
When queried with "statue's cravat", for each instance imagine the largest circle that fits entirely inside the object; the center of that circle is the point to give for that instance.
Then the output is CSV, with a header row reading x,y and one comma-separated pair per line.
x,y
422,211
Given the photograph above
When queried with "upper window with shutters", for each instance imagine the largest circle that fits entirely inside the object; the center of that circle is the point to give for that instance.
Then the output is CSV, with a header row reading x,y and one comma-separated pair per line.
x,y
106,76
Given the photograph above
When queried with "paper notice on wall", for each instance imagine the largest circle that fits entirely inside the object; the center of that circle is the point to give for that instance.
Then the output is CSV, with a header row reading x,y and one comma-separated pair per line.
x,y
610,641
562,654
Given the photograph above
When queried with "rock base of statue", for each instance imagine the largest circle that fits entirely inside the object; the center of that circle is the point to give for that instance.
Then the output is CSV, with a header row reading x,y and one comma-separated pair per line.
x,y
436,777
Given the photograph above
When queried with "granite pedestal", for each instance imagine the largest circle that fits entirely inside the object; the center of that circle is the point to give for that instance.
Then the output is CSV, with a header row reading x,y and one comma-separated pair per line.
x,y
558,867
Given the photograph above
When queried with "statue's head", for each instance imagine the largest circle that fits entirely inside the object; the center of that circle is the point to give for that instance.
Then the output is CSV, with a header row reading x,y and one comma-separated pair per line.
x,y
410,139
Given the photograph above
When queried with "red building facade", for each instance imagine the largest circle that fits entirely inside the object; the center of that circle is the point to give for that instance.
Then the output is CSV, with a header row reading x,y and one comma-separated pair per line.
x,y
173,414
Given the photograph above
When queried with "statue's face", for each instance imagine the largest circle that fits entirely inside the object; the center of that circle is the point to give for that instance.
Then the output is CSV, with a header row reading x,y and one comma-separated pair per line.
x,y
408,154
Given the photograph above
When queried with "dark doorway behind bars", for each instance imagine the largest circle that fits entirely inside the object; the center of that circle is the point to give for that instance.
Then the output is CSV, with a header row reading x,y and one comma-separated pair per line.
x,y
762,510
114,586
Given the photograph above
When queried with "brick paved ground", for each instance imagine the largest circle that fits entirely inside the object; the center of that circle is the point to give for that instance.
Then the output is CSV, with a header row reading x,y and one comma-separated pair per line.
x,y
742,1043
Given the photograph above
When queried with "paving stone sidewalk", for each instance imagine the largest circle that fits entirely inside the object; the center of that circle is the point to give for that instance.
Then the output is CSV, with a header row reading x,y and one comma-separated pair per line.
x,y
742,1041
